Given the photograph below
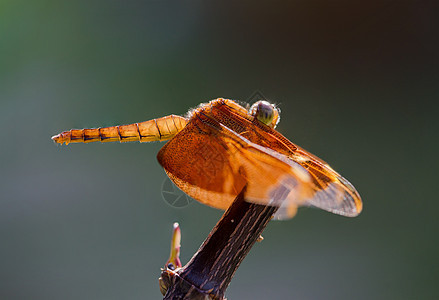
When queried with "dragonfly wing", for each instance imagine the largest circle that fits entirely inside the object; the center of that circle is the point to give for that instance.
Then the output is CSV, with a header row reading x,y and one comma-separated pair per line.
x,y
212,164
338,197
330,191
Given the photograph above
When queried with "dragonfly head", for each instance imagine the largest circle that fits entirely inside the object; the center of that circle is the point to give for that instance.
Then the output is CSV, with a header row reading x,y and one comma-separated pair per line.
x,y
266,113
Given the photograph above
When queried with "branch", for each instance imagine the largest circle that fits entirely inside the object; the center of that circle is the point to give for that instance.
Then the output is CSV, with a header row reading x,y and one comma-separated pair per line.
x,y
208,274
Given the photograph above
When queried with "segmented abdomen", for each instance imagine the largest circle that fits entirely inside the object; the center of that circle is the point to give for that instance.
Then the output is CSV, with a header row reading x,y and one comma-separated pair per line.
x,y
160,129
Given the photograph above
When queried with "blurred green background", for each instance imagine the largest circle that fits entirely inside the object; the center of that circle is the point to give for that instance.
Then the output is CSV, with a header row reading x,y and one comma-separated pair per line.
x,y
357,83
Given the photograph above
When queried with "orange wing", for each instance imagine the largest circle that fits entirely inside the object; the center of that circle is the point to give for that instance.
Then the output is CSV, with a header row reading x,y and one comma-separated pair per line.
x,y
215,155
212,164
332,192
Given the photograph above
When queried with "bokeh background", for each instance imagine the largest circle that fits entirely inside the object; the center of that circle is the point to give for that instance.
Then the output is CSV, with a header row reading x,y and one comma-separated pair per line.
x,y
357,83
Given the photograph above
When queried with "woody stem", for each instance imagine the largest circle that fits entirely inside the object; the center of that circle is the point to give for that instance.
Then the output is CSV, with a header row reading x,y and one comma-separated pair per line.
x,y
212,268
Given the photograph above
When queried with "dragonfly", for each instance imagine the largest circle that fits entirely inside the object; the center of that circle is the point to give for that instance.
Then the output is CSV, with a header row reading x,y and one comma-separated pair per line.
x,y
221,146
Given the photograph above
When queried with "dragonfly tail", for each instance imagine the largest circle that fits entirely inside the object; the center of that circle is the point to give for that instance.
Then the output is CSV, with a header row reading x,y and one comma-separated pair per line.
x,y
160,129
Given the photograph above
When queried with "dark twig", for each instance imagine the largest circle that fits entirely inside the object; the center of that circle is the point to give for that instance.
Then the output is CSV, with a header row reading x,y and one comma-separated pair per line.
x,y
208,274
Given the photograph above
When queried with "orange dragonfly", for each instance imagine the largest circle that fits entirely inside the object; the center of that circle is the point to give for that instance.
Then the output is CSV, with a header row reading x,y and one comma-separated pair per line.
x,y
220,146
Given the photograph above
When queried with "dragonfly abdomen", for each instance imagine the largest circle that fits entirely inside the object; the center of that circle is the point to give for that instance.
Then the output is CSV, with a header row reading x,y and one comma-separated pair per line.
x,y
160,129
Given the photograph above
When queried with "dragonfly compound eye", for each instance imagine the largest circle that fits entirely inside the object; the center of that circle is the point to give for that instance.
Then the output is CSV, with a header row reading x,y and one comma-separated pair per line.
x,y
265,112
